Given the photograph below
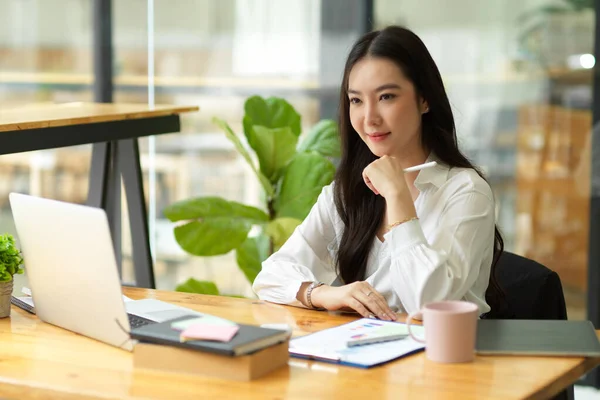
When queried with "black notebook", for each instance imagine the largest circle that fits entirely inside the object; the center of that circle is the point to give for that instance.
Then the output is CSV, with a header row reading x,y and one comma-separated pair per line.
x,y
24,303
537,337
248,338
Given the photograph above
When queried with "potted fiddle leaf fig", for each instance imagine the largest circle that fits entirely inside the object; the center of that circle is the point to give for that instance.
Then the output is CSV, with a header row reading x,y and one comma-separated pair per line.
x,y
291,172
11,263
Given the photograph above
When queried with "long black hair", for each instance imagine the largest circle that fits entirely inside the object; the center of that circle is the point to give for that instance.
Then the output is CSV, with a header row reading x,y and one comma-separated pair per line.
x,y
361,211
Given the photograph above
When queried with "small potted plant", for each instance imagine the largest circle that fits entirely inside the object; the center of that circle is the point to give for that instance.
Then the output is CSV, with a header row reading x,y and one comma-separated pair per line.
x,y
11,263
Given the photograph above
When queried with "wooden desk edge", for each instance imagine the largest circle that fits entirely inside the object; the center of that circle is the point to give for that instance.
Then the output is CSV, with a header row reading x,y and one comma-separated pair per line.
x,y
569,378
548,389
159,110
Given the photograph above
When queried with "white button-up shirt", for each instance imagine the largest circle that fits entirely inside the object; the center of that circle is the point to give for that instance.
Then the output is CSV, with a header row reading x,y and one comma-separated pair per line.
x,y
444,255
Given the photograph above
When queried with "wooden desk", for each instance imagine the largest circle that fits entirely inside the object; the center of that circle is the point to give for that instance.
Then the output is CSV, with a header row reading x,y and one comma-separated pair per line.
x,y
38,360
113,130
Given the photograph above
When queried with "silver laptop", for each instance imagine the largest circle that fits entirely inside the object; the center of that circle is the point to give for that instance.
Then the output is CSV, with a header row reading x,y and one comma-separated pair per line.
x,y
72,271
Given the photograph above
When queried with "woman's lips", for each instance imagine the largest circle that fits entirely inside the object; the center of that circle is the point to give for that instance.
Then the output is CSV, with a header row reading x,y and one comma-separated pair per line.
x,y
378,136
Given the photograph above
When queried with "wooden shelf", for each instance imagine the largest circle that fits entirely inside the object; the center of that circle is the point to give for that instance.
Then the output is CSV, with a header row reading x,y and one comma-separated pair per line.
x,y
55,78
580,76
67,78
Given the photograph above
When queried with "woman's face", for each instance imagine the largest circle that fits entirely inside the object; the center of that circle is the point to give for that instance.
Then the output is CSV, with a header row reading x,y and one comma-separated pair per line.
x,y
384,108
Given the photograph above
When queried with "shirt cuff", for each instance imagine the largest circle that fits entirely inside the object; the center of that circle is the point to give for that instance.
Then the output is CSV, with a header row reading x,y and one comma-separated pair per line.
x,y
405,235
292,292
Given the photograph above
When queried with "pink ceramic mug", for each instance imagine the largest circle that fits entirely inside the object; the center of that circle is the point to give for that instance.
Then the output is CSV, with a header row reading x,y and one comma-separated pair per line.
x,y
450,330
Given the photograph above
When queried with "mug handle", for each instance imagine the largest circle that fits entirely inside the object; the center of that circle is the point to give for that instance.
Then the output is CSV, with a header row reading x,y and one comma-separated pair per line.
x,y
409,320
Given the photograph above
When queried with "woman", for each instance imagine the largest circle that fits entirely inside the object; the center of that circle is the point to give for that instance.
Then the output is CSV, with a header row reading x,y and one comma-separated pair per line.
x,y
379,240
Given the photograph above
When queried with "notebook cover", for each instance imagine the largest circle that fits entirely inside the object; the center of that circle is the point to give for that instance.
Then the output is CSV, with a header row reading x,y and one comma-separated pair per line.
x,y
537,337
22,304
248,339
354,364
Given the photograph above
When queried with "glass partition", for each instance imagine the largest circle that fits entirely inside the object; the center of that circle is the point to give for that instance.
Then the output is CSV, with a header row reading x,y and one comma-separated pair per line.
x,y
519,77
215,54
45,56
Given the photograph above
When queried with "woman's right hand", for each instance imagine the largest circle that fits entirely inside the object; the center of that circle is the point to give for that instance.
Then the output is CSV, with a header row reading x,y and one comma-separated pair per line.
x,y
358,296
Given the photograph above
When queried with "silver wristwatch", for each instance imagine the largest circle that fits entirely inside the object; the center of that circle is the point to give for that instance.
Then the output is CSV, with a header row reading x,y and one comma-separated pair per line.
x,y
309,292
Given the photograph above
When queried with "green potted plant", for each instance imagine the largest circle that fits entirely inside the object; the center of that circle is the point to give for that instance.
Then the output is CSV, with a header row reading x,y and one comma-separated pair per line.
x,y
291,172
11,262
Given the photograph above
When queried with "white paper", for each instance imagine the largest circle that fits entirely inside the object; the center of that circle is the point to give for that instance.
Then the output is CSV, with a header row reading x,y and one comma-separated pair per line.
x,y
330,344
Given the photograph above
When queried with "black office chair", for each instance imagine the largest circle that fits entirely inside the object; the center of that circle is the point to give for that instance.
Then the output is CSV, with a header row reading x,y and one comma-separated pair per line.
x,y
532,292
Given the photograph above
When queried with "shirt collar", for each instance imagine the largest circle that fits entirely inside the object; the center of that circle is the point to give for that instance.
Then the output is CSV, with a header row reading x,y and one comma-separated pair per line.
x,y
436,176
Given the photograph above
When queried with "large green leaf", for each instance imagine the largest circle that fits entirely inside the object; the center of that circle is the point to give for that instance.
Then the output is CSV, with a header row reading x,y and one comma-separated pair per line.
x,y
230,134
212,237
322,138
280,229
273,112
217,227
275,147
213,207
194,286
251,254
302,182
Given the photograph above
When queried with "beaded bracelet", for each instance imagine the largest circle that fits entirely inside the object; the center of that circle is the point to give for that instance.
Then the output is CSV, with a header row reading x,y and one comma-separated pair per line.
x,y
390,226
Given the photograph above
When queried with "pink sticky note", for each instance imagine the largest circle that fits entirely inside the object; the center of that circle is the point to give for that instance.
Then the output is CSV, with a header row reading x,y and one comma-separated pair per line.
x,y
220,333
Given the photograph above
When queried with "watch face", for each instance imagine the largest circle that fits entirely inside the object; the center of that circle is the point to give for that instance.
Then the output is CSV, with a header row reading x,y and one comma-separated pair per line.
x,y
309,291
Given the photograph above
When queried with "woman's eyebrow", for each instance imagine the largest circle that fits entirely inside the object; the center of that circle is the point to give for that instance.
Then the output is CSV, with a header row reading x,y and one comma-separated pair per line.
x,y
378,89
387,86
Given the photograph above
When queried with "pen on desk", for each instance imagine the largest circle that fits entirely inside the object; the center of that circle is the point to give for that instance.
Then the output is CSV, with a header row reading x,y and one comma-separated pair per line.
x,y
420,166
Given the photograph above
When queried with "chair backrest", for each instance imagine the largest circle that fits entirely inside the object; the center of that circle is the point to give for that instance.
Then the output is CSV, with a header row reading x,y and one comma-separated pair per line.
x,y
532,290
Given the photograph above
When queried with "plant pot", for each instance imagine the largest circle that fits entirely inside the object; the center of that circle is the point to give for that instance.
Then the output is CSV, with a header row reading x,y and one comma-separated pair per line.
x,y
6,289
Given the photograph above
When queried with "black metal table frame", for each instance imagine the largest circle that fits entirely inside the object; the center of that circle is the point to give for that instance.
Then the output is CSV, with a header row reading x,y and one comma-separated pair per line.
x,y
115,155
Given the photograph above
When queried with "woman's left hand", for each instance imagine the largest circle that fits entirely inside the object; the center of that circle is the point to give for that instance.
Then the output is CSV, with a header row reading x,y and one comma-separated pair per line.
x,y
385,177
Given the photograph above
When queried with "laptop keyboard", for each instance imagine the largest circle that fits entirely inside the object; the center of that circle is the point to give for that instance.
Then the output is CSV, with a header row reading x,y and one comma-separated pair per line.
x,y
135,321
